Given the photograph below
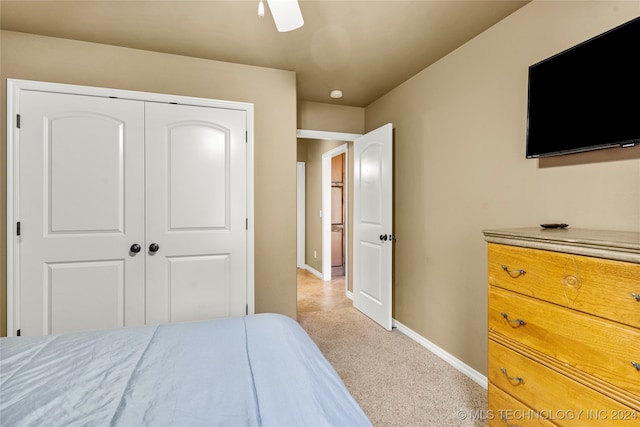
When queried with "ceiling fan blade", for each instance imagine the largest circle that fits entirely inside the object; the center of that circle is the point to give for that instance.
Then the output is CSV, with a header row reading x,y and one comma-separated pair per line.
x,y
286,14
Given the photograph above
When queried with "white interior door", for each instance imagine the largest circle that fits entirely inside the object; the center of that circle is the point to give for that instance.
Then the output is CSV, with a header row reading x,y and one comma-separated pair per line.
x,y
372,217
196,212
77,222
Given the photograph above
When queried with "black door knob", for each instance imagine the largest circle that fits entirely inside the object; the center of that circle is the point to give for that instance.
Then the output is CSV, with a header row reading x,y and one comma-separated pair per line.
x,y
383,237
135,248
153,248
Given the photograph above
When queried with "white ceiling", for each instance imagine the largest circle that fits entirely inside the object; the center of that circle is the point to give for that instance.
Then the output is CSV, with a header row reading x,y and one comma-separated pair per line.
x,y
365,48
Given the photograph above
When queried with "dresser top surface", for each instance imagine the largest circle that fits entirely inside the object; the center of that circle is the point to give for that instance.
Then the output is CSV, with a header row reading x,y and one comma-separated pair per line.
x,y
619,245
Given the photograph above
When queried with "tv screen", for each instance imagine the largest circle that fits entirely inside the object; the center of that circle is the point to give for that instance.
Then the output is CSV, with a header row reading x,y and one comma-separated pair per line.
x,y
587,97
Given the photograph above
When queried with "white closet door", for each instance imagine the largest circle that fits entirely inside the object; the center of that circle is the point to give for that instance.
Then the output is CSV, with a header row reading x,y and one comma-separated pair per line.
x,y
196,212
78,155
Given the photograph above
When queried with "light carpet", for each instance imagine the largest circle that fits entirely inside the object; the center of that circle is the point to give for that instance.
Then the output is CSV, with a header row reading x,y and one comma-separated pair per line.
x,y
396,381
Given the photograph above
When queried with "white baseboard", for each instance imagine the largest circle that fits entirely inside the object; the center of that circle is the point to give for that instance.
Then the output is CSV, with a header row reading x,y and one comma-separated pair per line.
x,y
476,376
313,271
447,357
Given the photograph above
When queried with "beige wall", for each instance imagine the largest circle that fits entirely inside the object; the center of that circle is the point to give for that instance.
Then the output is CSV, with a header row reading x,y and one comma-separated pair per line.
x,y
330,117
273,93
460,129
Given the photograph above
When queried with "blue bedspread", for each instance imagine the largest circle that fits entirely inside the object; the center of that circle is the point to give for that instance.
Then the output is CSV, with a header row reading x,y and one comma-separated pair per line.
x,y
260,370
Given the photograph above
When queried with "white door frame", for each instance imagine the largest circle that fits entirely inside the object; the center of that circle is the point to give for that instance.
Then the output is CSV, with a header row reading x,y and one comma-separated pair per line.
x,y
326,208
301,219
326,193
14,87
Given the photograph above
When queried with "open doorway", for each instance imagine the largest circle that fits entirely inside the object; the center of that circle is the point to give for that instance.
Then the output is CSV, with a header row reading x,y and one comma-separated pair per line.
x,y
327,215
338,216
371,219
322,279
335,212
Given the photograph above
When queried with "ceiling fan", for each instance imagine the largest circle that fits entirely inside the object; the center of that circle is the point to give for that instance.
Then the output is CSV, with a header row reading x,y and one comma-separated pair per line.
x,y
286,14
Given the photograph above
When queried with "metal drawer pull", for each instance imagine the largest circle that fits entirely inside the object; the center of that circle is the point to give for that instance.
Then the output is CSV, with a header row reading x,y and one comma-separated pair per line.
x,y
512,380
636,365
513,273
636,296
517,322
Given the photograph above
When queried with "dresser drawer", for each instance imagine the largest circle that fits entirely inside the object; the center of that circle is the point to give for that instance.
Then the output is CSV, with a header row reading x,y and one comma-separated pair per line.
x,y
504,411
597,286
599,347
558,398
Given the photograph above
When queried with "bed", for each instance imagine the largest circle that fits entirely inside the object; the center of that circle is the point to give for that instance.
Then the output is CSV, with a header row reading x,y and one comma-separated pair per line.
x,y
258,370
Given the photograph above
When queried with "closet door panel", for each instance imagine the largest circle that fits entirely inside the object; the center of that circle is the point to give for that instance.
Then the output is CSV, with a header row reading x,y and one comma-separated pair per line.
x,y
193,294
85,295
85,173
77,156
198,176
196,212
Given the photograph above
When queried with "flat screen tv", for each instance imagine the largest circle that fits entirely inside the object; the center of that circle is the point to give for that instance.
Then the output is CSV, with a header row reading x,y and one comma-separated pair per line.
x,y
587,97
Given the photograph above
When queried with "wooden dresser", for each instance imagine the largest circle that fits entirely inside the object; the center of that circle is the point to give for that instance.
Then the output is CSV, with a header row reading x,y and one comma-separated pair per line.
x,y
564,327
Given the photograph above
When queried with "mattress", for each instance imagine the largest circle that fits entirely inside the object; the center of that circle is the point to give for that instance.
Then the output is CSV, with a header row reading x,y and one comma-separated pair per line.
x,y
259,370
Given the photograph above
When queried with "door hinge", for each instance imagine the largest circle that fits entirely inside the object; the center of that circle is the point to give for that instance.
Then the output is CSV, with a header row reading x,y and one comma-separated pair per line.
x,y
18,333
18,228
18,121
246,309
246,136
246,223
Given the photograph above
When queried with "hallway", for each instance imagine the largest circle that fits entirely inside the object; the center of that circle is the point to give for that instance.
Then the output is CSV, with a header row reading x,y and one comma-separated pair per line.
x,y
315,294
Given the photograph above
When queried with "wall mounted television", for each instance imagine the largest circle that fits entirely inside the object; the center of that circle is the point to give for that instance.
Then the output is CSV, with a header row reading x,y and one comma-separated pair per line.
x,y
586,97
